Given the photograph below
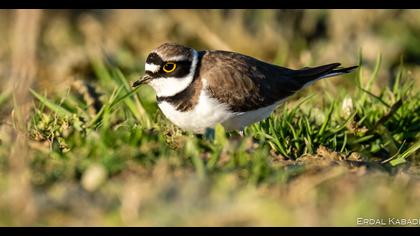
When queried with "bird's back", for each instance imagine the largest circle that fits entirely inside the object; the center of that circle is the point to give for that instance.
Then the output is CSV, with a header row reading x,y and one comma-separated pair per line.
x,y
246,83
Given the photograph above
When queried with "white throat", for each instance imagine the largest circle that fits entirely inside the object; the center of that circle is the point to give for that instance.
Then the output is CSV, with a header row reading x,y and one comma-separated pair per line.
x,y
166,87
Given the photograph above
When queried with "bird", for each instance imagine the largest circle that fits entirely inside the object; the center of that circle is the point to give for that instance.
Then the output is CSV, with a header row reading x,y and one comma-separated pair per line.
x,y
196,90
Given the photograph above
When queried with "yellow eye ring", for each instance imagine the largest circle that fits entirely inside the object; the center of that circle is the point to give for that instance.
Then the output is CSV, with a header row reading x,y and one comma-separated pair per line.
x,y
169,67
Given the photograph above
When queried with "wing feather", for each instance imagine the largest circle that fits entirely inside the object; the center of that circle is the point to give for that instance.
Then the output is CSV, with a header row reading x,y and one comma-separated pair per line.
x,y
245,83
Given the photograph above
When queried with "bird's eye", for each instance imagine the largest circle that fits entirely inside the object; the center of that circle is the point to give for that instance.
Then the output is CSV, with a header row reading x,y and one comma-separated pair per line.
x,y
169,67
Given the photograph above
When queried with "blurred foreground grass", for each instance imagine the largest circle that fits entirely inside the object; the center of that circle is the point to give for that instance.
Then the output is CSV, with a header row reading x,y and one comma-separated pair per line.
x,y
94,153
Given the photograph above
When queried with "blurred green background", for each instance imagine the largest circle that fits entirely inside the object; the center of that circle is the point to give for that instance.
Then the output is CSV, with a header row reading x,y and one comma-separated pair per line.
x,y
125,171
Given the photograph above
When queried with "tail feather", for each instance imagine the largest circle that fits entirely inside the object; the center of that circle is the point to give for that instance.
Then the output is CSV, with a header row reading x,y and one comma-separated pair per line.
x,y
310,75
345,70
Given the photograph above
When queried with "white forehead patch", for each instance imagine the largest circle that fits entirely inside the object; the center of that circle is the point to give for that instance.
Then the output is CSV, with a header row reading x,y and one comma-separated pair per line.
x,y
152,68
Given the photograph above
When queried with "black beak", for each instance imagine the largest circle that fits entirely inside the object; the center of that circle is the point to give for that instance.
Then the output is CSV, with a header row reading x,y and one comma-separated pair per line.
x,y
146,78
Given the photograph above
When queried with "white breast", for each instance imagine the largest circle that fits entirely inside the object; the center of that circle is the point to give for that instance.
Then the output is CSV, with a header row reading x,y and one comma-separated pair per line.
x,y
208,112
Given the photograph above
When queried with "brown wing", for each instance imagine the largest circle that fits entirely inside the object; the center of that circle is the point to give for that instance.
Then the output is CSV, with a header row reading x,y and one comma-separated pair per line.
x,y
245,83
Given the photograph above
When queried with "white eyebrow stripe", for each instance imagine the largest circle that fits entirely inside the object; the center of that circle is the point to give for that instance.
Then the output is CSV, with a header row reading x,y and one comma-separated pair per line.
x,y
152,68
177,58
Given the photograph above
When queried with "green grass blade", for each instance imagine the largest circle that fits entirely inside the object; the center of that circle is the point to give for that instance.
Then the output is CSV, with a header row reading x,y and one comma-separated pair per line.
x,y
54,107
375,72
403,156
135,106
327,120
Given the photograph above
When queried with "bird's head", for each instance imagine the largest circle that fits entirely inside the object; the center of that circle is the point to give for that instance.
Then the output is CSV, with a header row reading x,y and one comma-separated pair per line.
x,y
169,69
